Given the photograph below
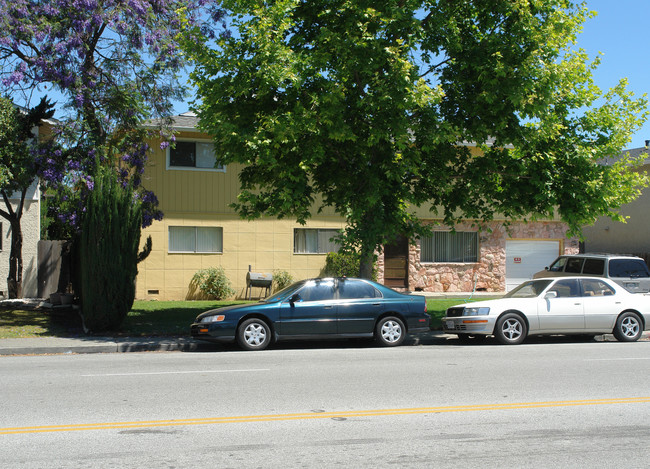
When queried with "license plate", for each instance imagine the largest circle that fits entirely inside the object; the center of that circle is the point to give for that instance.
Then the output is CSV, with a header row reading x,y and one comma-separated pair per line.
x,y
451,325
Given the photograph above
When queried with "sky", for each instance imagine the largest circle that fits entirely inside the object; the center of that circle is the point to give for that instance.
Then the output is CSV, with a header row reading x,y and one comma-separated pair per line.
x,y
620,32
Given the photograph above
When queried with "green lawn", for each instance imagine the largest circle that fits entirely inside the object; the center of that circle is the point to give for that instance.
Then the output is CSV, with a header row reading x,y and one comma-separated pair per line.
x,y
146,319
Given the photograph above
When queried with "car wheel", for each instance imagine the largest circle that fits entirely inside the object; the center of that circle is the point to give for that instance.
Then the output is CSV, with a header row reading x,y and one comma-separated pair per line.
x,y
628,327
511,329
253,334
390,331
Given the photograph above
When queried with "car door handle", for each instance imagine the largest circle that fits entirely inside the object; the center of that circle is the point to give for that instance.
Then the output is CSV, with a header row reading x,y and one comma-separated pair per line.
x,y
328,307
376,304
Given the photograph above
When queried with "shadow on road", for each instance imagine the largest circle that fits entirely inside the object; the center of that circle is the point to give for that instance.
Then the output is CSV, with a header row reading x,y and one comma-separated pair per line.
x,y
433,338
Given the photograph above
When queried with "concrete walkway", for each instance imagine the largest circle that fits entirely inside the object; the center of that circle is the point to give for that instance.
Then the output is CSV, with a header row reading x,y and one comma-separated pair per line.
x,y
59,345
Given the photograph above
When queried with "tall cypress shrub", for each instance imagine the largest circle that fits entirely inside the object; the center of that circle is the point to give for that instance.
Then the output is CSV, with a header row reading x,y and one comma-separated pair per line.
x,y
108,252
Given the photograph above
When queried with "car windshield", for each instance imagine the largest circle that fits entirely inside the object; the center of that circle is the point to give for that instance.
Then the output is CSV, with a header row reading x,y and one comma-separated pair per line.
x,y
530,289
558,265
284,293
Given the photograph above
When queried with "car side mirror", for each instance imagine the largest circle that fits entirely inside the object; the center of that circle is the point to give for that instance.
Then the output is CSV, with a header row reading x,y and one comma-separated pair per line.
x,y
295,298
550,294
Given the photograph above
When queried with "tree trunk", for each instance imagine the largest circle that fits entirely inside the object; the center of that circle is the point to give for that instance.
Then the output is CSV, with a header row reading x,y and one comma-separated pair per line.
x,y
366,263
15,279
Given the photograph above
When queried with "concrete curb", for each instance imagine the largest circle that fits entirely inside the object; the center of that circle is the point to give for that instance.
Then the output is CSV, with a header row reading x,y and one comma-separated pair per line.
x,y
56,345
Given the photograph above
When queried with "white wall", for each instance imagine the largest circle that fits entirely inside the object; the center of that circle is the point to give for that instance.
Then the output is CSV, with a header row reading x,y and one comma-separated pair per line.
x,y
31,228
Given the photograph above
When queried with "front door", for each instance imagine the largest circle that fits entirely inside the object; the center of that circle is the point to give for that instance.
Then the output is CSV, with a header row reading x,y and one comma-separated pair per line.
x,y
396,257
312,313
565,313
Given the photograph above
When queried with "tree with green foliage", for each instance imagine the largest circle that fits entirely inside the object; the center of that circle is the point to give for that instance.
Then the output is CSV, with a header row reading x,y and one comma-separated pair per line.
x,y
108,251
371,108
18,171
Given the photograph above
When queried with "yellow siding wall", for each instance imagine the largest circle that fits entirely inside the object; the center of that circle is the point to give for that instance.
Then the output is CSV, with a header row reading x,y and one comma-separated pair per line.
x,y
202,198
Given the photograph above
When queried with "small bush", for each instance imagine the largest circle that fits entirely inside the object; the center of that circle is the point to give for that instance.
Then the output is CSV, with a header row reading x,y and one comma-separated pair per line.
x,y
213,283
281,279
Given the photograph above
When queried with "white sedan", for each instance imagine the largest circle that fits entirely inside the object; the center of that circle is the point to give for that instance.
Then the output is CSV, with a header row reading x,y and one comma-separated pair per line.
x,y
566,305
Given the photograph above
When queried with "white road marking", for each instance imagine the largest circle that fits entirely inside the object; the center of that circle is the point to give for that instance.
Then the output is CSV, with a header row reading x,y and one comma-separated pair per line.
x,y
175,372
615,359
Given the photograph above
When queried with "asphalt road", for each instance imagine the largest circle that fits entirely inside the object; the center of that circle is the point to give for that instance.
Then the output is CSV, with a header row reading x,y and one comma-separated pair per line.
x,y
547,403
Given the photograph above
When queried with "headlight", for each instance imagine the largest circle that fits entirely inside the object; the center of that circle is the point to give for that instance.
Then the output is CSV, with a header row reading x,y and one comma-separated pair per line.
x,y
214,318
476,311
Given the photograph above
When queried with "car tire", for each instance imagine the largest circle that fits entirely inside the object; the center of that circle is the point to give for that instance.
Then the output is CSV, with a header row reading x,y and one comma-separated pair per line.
x,y
511,329
390,331
254,334
629,327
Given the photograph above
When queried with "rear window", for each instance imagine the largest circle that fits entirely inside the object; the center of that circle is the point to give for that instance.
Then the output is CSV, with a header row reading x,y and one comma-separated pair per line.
x,y
628,268
594,267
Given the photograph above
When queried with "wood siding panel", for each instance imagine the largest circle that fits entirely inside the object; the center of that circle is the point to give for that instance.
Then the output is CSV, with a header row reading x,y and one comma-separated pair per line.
x,y
191,191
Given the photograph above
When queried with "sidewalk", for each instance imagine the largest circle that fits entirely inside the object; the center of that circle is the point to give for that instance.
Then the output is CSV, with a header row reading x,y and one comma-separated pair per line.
x,y
59,345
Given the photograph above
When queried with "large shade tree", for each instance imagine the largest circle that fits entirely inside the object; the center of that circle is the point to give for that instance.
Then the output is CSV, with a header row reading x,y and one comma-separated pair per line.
x,y
367,107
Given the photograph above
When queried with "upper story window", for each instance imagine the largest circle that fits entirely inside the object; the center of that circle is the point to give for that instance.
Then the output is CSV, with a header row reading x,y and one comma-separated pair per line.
x,y
447,246
193,155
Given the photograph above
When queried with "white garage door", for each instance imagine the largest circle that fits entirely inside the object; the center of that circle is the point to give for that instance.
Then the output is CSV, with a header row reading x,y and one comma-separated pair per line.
x,y
524,258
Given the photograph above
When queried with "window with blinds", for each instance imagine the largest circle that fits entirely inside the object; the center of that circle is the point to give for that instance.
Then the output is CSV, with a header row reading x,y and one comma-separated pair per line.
x,y
199,239
450,247
314,241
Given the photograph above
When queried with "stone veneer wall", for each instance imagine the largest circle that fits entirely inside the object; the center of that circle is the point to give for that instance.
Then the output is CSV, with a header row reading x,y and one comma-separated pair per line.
x,y
490,272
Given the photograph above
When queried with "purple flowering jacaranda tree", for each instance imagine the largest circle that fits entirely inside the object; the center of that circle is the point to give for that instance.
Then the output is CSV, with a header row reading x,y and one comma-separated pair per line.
x,y
111,65
115,64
